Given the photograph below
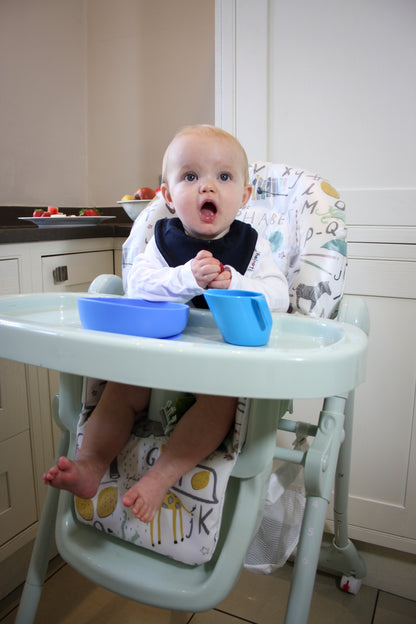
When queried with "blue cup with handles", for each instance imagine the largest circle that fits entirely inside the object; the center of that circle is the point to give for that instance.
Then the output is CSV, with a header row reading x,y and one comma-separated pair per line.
x,y
242,316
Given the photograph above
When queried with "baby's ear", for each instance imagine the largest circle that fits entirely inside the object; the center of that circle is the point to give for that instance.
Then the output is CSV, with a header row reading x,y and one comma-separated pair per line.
x,y
246,194
167,197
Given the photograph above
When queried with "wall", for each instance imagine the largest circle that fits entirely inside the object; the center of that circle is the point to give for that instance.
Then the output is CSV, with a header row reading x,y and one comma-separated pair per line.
x,y
42,102
150,71
92,91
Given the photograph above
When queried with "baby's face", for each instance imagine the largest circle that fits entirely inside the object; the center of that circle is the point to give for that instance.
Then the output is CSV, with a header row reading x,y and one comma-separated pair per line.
x,y
205,184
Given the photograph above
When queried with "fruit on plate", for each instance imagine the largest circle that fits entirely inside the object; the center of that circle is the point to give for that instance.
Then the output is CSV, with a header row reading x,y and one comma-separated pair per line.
x,y
53,210
38,212
127,198
89,212
144,193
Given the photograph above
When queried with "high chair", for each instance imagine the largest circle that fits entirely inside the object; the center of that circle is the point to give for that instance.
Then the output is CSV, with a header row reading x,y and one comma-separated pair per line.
x,y
309,356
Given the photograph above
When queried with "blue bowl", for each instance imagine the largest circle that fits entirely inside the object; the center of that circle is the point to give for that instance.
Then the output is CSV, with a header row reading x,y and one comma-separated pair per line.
x,y
136,317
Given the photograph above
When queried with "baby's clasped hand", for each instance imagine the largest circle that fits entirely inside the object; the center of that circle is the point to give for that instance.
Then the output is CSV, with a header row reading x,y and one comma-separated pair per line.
x,y
208,271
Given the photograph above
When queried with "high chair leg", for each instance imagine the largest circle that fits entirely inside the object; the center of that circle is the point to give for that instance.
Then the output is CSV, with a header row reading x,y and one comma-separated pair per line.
x,y
64,418
306,562
40,555
341,555
320,467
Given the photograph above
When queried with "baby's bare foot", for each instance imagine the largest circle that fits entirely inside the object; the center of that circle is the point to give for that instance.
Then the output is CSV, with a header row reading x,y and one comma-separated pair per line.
x,y
146,496
80,477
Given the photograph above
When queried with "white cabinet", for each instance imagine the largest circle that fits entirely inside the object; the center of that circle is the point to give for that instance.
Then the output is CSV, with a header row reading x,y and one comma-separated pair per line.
x,y
28,435
17,493
380,195
382,502
383,475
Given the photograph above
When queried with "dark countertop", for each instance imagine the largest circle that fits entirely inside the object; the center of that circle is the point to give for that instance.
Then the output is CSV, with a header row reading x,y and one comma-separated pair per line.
x,y
14,231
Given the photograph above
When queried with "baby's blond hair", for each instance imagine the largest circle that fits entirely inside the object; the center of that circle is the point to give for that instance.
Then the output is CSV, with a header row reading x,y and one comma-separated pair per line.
x,y
206,130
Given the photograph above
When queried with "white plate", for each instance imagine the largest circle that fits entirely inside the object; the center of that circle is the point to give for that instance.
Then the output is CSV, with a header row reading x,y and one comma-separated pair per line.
x,y
65,221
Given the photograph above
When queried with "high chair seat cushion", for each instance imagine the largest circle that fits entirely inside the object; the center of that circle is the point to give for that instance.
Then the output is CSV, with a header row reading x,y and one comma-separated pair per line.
x,y
187,525
303,218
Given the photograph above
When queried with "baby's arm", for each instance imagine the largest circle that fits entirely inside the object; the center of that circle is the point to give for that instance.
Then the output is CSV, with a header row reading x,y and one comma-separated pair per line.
x,y
151,278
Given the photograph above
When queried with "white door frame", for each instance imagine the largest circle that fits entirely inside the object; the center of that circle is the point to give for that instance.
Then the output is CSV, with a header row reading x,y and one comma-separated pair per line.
x,y
241,72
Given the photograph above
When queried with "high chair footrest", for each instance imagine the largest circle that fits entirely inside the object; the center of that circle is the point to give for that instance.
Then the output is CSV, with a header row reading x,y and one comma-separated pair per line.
x,y
153,579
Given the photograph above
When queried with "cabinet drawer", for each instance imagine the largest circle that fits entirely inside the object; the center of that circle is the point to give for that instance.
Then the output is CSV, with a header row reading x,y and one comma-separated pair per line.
x,y
74,272
9,276
17,493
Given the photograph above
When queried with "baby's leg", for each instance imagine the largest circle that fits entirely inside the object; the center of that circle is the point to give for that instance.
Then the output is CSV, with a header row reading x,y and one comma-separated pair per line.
x,y
199,432
107,431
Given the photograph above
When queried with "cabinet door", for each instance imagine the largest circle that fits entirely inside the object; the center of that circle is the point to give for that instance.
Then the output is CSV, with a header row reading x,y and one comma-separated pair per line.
x,y
13,402
17,493
13,399
74,272
17,490
383,469
9,276
382,504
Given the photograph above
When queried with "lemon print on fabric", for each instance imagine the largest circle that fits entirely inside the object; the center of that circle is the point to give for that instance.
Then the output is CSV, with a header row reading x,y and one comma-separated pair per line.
x,y
84,507
200,480
107,501
329,190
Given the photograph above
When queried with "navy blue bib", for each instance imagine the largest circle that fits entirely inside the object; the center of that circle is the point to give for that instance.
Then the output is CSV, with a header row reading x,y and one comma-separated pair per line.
x,y
236,248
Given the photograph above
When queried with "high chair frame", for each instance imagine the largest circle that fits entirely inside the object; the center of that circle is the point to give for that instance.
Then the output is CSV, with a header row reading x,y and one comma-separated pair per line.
x,y
131,572
305,358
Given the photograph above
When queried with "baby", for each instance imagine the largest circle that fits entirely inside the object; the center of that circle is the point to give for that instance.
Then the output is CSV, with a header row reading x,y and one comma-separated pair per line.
x,y
205,181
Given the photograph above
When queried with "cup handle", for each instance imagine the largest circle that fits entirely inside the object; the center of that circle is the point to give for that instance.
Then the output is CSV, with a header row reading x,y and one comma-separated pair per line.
x,y
262,313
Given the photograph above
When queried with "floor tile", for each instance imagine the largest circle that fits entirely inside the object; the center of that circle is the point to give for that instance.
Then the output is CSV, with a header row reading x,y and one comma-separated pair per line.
x,y
69,598
392,609
215,617
263,598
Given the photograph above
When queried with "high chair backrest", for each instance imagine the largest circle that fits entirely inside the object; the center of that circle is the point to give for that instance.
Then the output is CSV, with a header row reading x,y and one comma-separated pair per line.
x,y
301,215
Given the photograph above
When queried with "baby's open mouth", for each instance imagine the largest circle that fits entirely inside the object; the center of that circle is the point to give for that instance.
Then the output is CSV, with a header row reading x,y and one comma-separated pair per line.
x,y
208,211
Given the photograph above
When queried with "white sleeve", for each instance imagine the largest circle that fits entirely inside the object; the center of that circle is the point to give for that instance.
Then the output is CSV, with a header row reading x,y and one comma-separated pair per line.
x,y
153,279
264,276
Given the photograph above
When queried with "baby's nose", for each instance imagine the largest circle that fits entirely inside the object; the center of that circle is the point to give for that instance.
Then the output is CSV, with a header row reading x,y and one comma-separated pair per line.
x,y
207,185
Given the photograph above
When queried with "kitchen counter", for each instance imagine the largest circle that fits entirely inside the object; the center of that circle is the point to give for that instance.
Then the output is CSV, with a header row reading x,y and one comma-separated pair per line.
x,y
12,230
26,234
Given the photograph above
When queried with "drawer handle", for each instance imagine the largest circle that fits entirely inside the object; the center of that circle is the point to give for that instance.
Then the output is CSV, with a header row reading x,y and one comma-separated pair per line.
x,y
60,274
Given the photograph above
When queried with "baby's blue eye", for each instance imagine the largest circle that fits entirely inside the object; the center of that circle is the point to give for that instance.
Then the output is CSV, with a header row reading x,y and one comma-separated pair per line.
x,y
224,177
190,177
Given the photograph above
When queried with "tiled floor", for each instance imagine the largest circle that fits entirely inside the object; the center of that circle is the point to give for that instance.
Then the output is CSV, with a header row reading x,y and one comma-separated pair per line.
x,y
68,598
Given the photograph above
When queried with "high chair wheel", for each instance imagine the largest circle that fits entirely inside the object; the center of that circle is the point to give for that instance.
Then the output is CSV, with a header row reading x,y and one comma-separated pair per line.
x,y
350,584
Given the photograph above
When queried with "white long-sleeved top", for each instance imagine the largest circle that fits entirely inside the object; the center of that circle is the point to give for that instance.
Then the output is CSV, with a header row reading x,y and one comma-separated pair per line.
x,y
153,279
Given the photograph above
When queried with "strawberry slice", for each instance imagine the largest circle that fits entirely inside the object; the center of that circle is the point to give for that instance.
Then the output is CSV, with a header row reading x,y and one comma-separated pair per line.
x,y
89,212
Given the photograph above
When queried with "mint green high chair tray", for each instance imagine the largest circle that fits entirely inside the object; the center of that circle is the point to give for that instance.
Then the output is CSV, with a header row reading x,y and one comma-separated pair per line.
x,y
305,358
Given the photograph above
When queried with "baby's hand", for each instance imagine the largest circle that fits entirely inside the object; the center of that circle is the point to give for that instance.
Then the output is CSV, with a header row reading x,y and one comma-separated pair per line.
x,y
205,268
223,280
